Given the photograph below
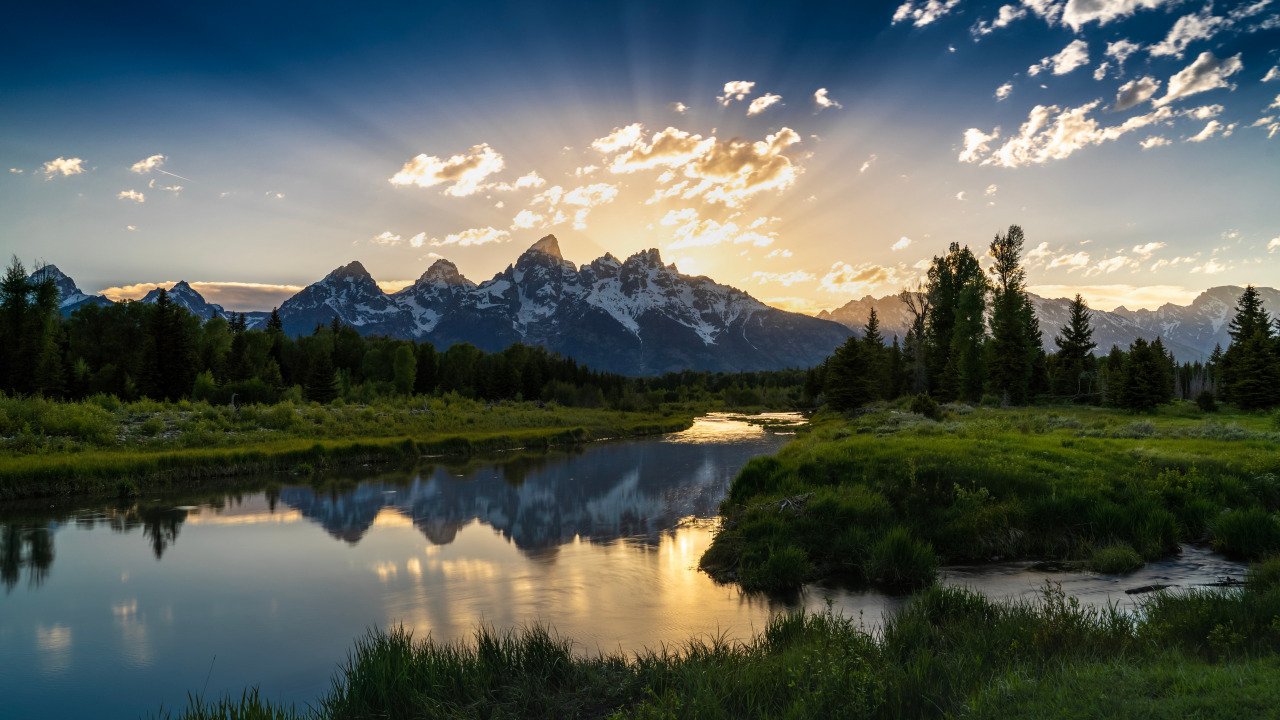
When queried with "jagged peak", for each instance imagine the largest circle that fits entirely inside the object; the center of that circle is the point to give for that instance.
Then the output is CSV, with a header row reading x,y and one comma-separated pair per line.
x,y
547,245
443,271
353,270
648,258
49,270
183,285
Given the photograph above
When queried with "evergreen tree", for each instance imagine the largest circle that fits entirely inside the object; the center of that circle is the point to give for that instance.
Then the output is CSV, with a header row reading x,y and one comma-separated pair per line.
x,y
1075,364
170,358
898,374
1015,335
426,374
1142,377
274,323
847,383
16,356
405,369
1250,369
322,380
876,357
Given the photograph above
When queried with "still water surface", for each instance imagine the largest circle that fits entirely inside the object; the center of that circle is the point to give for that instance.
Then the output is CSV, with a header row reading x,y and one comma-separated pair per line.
x,y
110,610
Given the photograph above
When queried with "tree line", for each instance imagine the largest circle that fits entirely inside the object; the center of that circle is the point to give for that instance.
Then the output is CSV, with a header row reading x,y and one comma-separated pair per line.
x,y
974,337
160,351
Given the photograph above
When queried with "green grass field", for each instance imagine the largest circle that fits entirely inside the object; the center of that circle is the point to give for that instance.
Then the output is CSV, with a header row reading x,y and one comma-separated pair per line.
x,y
885,497
105,446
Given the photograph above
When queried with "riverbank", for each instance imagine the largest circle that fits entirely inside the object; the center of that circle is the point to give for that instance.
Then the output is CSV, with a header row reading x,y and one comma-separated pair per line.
x,y
948,653
884,498
103,446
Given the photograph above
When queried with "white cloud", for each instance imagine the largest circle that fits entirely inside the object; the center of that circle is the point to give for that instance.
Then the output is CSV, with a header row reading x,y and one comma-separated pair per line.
x,y
762,103
131,228
923,12
472,237
1153,141
1204,112
1212,128
16,171
418,240
1100,72
1188,29
1109,265
527,220
1120,50
1007,14
1074,55
679,107
585,170
1211,267
1135,92
1272,74
822,101
133,195
1275,104
148,164
960,195
1205,73
735,90
866,165
274,195
1078,13
782,253
1072,261
530,180
902,244
1274,244
786,279
1051,133
463,173
1145,250
976,144
386,238
620,138
991,190
1004,91
690,231
63,166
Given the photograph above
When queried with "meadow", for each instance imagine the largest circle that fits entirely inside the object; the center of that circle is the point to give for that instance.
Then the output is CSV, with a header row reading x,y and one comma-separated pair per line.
x,y
948,653
104,445
884,497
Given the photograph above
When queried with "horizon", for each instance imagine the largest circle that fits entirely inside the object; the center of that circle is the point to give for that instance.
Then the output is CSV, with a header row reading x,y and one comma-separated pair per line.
x,y
809,158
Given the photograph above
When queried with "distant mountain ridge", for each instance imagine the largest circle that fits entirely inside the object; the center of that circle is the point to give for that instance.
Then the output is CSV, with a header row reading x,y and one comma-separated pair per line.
x,y
1189,331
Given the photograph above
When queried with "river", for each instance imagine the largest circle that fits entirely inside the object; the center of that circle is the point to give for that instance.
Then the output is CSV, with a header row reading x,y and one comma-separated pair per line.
x,y
110,610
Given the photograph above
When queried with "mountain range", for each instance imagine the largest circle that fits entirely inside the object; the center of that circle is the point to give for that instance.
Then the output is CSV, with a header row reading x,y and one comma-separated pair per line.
x,y
1189,331
640,316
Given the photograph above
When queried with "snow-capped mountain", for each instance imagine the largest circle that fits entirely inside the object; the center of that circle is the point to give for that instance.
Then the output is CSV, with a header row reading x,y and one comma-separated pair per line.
x,y
70,297
1189,331
636,316
186,297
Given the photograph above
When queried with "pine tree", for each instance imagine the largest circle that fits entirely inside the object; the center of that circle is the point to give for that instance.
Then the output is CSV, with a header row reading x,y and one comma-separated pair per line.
x,y
16,360
170,358
426,370
405,369
1075,361
274,323
847,386
1250,368
322,380
1014,329
876,357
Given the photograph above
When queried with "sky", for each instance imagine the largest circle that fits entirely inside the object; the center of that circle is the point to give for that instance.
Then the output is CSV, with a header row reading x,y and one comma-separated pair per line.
x,y
808,153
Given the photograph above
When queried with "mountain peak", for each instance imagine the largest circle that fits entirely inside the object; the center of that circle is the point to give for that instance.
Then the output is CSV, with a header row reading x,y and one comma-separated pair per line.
x,y
443,272
547,245
352,270
180,286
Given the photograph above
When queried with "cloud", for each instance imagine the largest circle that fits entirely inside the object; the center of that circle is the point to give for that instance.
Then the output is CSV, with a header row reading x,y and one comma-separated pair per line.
x,y
735,90
1072,261
1135,92
786,279
991,190
902,244
463,173
823,102
1210,267
1110,297
1100,72
1205,73
236,296
620,138
1274,244
131,228
1004,91
274,195
16,171
727,172
133,195
1051,133
762,103
1212,128
1188,29
1005,15
691,231
1275,104
1145,250
472,237
583,198
961,195
531,180
1272,74
527,220
1153,141
923,12
418,240
62,166
863,279
679,107
148,164
1120,50
866,165
1078,13
778,252
1074,55
385,238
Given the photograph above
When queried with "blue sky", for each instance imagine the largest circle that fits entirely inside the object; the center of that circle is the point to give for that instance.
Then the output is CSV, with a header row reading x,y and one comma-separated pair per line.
x,y
1131,140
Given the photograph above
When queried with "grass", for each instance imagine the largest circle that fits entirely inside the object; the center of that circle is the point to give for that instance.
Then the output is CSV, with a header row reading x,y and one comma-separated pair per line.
x,y
986,484
948,652
105,446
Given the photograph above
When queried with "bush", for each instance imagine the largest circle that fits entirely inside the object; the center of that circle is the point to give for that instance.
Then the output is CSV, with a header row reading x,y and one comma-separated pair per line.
x,y
1247,534
899,563
924,405
1264,575
1118,559
1207,402
785,569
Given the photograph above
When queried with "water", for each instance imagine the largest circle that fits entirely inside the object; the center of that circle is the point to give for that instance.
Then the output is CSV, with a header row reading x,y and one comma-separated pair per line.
x,y
110,611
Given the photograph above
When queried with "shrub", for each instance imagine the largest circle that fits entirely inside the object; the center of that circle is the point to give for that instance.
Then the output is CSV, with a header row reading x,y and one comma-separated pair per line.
x,y
1247,534
1207,402
900,563
785,569
1118,559
924,405
1264,575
